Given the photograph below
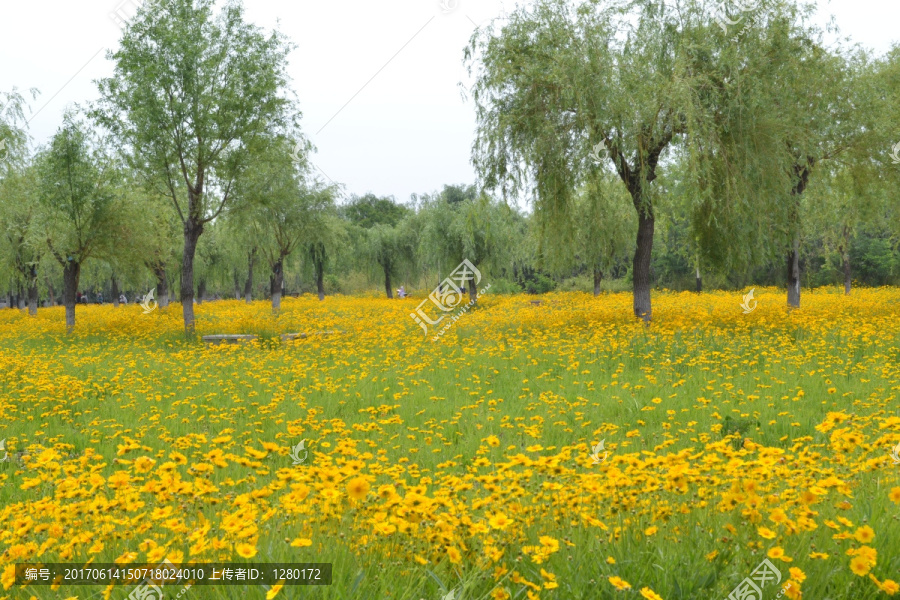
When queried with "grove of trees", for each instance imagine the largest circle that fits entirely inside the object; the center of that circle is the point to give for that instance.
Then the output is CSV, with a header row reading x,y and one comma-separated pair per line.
x,y
619,145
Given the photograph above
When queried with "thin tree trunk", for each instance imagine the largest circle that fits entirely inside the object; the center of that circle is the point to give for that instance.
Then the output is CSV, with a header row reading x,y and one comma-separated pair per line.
x,y
162,286
699,281
845,257
51,292
387,283
277,282
192,233
71,274
115,292
248,286
641,264
32,290
473,291
793,275
201,290
237,286
320,278
598,277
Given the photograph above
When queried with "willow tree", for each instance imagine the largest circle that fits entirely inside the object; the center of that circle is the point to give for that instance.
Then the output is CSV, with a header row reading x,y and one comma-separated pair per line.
x,y
81,203
192,93
595,234
281,207
562,86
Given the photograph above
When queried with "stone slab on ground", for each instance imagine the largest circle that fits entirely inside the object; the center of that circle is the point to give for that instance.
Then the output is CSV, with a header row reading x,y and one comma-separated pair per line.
x,y
227,338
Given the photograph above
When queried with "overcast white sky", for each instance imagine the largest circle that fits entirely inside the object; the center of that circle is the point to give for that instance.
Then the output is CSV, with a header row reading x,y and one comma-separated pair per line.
x,y
407,131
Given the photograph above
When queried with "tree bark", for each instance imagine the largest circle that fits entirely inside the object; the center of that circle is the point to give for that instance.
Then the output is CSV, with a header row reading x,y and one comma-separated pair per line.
x,y
32,290
473,291
51,292
201,290
237,286
320,278
162,286
71,275
387,284
699,281
115,292
793,275
845,257
277,283
598,277
248,286
641,264
192,231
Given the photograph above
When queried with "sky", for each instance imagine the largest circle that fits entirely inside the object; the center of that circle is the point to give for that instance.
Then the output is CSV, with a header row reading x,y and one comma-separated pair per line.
x,y
379,83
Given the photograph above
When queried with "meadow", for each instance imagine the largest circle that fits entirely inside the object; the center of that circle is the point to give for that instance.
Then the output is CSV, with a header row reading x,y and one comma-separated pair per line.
x,y
464,466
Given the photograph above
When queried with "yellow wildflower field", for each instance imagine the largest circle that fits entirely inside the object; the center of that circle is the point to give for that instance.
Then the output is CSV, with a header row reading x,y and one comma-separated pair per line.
x,y
561,450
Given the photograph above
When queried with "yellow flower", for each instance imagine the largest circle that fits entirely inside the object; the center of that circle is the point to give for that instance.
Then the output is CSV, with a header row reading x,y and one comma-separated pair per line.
x,y
650,531
860,566
619,583
895,495
275,589
358,488
499,521
797,575
454,555
766,533
246,550
864,535
301,542
650,594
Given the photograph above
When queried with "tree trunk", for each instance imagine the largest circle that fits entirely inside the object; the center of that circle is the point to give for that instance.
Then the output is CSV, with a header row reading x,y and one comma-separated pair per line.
x,y
201,290
793,275
162,286
845,257
598,277
387,284
847,273
277,283
237,286
248,287
473,291
641,264
115,292
699,281
71,274
320,278
32,290
192,233
51,293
